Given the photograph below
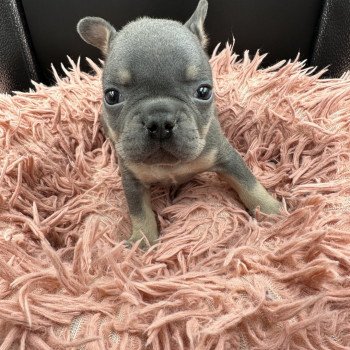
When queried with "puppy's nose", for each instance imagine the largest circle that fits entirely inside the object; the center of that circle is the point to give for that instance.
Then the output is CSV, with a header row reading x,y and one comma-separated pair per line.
x,y
159,129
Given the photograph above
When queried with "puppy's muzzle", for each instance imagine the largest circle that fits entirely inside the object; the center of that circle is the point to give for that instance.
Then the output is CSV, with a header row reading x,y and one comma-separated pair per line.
x,y
159,127
159,118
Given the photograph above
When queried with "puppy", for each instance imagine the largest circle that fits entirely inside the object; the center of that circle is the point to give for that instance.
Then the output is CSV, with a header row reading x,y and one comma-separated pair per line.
x,y
159,113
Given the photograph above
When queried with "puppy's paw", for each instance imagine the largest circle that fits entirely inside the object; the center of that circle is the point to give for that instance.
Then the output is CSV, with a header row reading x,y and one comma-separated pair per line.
x,y
267,204
174,191
143,244
147,240
271,206
258,196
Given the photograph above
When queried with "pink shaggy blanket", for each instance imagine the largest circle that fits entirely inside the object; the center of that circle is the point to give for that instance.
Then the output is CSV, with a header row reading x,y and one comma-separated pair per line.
x,y
218,279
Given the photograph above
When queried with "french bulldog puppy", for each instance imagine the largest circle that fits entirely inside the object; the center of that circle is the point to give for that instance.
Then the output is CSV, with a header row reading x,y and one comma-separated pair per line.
x,y
159,113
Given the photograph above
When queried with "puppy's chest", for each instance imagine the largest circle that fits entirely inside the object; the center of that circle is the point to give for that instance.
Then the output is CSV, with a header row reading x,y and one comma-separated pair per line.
x,y
176,174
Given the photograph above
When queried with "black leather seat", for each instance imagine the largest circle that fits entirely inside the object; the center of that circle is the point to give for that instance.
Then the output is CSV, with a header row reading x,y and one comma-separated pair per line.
x,y
36,33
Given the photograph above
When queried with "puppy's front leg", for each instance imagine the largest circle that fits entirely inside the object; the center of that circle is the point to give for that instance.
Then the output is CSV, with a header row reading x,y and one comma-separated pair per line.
x,y
143,221
232,168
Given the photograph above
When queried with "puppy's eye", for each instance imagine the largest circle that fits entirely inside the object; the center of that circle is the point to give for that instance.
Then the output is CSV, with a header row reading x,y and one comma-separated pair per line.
x,y
112,96
204,92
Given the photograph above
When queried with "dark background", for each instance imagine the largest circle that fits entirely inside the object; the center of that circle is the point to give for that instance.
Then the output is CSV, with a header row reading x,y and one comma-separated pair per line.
x,y
36,33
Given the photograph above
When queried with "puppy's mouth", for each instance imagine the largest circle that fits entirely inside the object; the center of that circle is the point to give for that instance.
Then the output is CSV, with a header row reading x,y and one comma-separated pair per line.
x,y
161,156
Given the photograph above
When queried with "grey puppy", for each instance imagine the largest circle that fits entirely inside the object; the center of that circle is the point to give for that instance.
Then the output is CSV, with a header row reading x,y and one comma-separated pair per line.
x,y
159,113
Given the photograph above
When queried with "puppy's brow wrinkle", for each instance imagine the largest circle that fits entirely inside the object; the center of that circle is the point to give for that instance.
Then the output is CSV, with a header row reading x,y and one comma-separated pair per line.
x,y
191,72
122,77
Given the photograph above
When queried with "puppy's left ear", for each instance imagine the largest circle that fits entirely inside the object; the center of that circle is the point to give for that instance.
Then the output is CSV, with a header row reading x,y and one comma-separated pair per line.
x,y
196,23
97,32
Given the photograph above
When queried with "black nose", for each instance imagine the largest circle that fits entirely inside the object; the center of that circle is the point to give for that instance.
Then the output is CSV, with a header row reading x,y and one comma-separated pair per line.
x,y
159,129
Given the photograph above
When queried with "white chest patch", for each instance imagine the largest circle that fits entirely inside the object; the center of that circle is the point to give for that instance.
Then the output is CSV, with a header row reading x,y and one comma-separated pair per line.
x,y
172,174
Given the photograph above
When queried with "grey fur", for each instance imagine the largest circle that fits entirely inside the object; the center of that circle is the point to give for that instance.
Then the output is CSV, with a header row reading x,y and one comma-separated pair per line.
x,y
157,66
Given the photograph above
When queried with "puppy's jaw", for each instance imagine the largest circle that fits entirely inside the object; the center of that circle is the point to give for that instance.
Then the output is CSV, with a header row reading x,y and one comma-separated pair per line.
x,y
144,150
172,174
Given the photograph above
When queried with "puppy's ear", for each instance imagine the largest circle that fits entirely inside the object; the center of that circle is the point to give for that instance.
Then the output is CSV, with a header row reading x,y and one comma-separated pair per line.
x,y
196,23
96,32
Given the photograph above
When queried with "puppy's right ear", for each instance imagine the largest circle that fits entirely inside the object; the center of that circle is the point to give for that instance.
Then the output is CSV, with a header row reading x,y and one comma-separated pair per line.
x,y
96,32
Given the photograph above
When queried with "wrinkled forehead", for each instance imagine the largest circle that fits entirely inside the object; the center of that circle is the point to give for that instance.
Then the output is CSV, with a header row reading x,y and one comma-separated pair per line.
x,y
156,50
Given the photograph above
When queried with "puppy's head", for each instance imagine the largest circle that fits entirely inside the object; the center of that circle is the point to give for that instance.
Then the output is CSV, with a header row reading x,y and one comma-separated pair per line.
x,y
157,84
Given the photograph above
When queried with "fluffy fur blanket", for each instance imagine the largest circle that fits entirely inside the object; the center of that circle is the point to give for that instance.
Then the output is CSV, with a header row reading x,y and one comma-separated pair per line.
x,y
218,279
